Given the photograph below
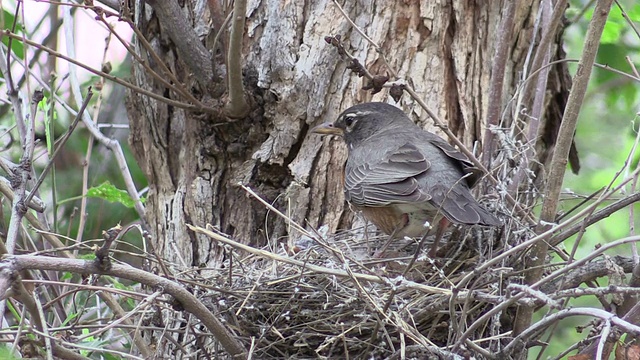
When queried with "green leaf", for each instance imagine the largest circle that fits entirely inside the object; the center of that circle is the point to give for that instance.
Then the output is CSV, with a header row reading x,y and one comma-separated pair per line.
x,y
111,193
611,33
88,340
17,47
69,318
634,12
66,276
89,256
120,286
108,356
45,106
616,23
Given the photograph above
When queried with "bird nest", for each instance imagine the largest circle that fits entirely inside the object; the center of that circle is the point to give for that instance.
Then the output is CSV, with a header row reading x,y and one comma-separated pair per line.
x,y
331,299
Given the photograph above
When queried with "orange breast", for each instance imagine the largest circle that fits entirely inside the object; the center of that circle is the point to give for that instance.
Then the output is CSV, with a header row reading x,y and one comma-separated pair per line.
x,y
405,223
386,219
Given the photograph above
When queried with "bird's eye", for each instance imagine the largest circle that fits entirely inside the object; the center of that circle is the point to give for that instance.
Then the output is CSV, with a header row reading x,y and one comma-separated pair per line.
x,y
349,121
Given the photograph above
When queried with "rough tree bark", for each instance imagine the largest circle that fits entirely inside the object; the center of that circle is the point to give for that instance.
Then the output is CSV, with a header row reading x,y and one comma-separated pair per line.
x,y
194,162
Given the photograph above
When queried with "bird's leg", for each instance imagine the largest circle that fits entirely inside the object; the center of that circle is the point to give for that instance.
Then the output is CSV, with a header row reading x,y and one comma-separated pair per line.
x,y
378,254
442,225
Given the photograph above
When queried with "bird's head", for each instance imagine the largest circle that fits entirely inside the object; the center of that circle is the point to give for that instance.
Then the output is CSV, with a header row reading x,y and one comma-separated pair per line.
x,y
362,121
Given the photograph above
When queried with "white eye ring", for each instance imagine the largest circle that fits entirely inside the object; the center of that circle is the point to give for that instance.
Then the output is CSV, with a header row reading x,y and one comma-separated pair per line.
x,y
350,120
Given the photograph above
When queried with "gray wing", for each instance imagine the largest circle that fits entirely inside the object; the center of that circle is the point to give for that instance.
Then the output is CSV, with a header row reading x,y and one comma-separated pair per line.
x,y
390,180
449,185
459,206
472,173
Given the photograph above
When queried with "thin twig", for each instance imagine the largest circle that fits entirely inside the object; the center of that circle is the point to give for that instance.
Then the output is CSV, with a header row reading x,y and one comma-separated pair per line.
x,y
190,303
592,312
554,275
20,179
597,216
45,329
177,86
629,21
550,23
115,79
17,99
61,144
111,144
604,335
135,311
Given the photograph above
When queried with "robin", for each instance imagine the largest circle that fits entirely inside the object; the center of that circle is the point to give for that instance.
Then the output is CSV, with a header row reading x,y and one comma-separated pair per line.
x,y
404,179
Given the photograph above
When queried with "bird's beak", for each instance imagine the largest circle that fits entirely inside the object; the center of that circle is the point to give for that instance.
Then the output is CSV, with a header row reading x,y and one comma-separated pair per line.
x,y
327,129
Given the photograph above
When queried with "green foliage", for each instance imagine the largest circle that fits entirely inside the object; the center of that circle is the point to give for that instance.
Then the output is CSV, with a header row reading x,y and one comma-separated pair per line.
x,y
66,276
70,318
17,47
87,256
108,356
90,341
5,353
617,25
108,192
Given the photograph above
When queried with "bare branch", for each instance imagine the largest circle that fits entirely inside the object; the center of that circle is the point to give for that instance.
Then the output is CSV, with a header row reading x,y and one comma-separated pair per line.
x,y
633,316
595,217
36,203
110,77
572,280
17,99
186,299
626,17
21,176
551,277
102,254
237,106
177,86
10,276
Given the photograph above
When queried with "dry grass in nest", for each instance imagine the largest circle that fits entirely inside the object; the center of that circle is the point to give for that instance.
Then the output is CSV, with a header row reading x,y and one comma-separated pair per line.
x,y
331,300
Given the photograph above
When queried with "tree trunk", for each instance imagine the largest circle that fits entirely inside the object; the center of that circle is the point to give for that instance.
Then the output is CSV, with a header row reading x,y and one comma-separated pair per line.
x,y
195,162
